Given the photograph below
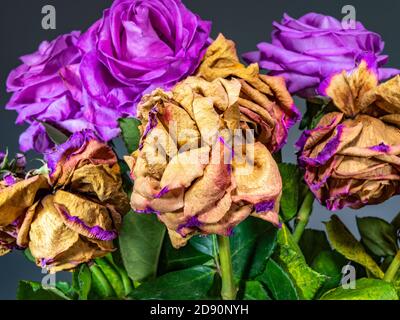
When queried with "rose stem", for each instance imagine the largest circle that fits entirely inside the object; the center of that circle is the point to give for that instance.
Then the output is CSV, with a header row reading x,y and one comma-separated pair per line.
x,y
215,251
228,291
303,216
393,268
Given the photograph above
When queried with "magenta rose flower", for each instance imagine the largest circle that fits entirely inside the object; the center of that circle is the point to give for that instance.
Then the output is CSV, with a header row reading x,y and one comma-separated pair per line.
x,y
137,46
40,92
310,50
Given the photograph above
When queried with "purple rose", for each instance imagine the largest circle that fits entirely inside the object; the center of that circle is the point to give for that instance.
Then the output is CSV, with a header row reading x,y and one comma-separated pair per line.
x,y
310,50
40,92
138,45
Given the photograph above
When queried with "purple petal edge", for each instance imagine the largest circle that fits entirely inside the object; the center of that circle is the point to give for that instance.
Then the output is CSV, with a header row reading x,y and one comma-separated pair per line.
x,y
96,231
265,206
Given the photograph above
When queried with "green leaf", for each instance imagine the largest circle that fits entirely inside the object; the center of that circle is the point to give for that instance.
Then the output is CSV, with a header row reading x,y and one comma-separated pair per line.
x,y
30,290
312,243
290,257
329,263
140,242
115,260
189,284
130,133
313,108
112,276
344,242
203,244
278,282
101,286
28,255
291,180
186,257
252,243
396,223
366,289
54,134
378,236
83,281
254,290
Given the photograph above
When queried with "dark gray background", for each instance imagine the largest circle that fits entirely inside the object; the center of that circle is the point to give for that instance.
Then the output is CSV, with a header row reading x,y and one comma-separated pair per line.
x,y
246,22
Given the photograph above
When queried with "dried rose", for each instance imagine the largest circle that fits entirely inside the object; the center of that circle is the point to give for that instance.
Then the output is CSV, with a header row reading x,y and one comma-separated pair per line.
x,y
188,171
17,197
78,222
70,229
352,156
265,104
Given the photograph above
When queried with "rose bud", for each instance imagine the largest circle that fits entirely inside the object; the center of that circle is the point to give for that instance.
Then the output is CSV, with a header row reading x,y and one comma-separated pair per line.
x,y
188,171
17,198
265,104
352,156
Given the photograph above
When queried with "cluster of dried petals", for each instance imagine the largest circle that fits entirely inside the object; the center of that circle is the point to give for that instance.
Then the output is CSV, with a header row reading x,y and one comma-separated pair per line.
x,y
16,203
188,168
71,216
352,157
265,104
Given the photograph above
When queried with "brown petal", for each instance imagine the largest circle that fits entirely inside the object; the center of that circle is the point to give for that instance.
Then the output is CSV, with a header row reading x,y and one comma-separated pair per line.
x,y
256,175
49,236
184,168
211,187
103,182
353,92
84,217
16,199
388,96
94,152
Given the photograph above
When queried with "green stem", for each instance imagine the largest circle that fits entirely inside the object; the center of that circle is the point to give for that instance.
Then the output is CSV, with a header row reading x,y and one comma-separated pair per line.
x,y
303,216
393,269
229,290
215,251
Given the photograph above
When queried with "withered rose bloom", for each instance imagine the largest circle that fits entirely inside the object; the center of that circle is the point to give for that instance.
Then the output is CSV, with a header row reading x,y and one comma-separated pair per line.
x,y
17,200
265,104
189,168
71,216
352,157
80,219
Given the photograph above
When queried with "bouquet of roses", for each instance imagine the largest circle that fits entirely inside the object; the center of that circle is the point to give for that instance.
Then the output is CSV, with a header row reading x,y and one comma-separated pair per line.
x,y
201,204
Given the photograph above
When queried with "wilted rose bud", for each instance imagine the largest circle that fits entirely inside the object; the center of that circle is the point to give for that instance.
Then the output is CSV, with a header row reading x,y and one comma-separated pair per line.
x,y
194,167
17,198
352,157
264,102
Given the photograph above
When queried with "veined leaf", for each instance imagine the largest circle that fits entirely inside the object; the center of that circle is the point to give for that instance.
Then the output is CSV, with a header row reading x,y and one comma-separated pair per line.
x,y
366,289
378,236
252,243
291,178
189,284
140,242
290,257
254,290
345,243
278,282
